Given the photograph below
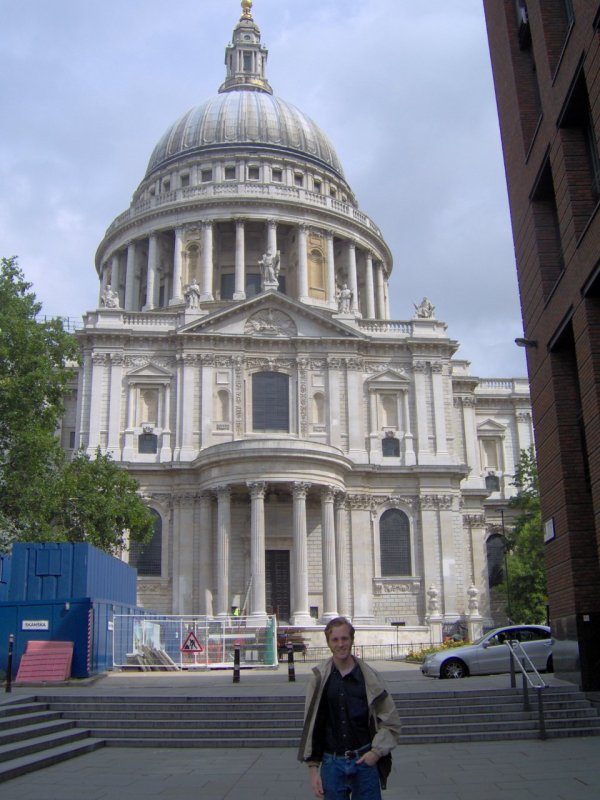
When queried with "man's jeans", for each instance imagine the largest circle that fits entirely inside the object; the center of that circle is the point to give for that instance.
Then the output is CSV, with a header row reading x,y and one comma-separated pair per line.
x,y
343,778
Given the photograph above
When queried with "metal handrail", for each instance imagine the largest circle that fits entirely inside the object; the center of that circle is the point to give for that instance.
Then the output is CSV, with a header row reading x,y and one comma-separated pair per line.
x,y
519,658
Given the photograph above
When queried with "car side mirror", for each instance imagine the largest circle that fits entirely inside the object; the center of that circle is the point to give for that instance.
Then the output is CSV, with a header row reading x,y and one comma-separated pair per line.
x,y
485,645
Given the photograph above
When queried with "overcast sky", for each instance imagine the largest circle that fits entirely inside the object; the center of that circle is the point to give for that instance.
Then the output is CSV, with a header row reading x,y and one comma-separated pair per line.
x,y
403,89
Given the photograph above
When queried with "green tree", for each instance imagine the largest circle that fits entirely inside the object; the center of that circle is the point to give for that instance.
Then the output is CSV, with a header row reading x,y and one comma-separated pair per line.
x,y
97,501
43,496
525,542
36,365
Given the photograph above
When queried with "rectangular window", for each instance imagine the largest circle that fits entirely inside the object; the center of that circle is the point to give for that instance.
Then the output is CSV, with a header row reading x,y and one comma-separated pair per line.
x,y
547,230
270,401
318,185
299,179
253,173
229,173
227,286
185,181
247,62
276,175
206,175
580,149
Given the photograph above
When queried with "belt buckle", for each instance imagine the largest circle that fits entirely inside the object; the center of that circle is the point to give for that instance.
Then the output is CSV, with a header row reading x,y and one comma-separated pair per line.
x,y
350,753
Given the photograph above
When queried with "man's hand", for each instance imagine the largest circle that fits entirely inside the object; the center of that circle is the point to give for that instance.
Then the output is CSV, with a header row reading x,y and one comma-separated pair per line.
x,y
316,785
370,758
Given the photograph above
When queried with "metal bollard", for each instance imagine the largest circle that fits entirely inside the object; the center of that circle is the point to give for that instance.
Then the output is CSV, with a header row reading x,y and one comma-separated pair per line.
x,y
11,644
291,667
236,664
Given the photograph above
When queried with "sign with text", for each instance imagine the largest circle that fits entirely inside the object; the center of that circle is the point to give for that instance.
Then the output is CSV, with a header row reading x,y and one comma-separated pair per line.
x,y
35,625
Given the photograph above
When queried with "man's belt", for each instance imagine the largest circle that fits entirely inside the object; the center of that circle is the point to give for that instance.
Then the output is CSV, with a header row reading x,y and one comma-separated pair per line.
x,y
351,753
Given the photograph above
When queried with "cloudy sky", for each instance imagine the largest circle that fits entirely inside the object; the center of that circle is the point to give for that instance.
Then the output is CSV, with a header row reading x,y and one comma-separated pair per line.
x,y
402,88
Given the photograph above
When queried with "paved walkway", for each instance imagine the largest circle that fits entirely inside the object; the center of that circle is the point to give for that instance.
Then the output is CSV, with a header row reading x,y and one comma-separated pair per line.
x,y
559,769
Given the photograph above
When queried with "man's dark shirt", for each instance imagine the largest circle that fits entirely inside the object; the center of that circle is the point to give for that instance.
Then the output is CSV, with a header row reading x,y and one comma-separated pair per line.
x,y
342,721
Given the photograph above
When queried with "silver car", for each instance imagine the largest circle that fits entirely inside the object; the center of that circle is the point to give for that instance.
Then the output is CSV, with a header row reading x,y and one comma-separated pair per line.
x,y
489,654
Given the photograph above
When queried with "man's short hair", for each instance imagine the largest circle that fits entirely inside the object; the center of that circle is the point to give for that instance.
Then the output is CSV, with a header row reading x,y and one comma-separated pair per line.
x,y
335,623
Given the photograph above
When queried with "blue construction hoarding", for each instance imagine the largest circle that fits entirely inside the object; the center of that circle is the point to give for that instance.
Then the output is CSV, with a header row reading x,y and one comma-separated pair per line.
x,y
64,592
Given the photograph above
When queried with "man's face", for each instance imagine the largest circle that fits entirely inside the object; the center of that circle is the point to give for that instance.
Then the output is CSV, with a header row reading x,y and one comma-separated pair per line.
x,y
340,642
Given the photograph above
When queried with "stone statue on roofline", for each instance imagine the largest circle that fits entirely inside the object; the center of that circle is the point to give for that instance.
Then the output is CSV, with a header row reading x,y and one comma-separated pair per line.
x,y
269,269
109,299
425,309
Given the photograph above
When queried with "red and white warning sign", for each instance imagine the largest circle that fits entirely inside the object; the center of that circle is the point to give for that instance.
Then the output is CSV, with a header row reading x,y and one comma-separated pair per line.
x,y
191,644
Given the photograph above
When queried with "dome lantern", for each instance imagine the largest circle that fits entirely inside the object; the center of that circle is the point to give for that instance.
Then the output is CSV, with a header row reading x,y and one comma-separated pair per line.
x,y
246,57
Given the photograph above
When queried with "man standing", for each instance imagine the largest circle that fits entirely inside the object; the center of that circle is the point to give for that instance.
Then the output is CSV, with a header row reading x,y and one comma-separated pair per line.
x,y
350,723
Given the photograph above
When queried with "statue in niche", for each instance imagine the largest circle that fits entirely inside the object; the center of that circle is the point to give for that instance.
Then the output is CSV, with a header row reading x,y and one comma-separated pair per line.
x,y
345,299
192,295
269,267
109,299
425,309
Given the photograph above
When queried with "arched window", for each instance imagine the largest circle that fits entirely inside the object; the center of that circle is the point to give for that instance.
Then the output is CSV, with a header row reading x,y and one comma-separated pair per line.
x,y
147,558
390,446
394,543
316,274
270,402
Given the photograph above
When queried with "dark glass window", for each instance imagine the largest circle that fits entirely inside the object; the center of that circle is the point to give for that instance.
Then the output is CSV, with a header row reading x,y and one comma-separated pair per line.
x,y
147,443
495,560
394,543
390,446
270,402
147,558
492,483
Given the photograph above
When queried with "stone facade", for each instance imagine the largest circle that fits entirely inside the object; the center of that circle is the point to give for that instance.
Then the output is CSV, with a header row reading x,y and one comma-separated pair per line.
x,y
304,453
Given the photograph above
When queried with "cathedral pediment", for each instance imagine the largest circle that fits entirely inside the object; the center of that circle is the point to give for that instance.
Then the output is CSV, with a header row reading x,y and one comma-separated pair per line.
x,y
389,379
149,371
491,426
271,315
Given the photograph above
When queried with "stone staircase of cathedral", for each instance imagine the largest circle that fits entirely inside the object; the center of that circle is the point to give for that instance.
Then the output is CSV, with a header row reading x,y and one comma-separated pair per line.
x,y
37,732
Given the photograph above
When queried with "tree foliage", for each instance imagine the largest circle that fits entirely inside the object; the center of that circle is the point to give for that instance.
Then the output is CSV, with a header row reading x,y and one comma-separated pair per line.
x,y
97,502
43,496
526,581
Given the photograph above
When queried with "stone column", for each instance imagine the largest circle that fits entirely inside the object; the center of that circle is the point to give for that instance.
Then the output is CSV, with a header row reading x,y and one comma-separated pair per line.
x,y
205,556
183,586
524,430
223,533
369,288
206,293
114,408
420,373
96,393
302,264
239,292
177,293
471,443
257,549
341,556
272,236
439,410
331,288
409,450
166,452
186,375
450,563
362,562
352,275
300,610
152,274
115,277
130,277
328,554
380,293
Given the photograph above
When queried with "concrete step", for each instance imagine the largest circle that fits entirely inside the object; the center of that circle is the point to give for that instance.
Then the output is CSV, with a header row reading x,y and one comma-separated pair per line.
x,y
35,744
35,729
16,720
53,755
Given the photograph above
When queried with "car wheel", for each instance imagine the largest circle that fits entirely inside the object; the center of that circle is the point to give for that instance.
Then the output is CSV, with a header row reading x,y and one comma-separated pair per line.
x,y
454,668
550,665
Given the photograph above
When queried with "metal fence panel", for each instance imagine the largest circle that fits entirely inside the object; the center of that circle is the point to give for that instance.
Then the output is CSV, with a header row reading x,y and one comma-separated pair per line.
x,y
179,642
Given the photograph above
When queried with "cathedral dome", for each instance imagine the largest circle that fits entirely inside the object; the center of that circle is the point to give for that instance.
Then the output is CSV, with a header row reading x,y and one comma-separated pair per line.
x,y
251,119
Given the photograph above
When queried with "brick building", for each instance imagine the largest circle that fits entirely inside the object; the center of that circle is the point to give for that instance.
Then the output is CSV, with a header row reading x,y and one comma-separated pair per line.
x,y
546,64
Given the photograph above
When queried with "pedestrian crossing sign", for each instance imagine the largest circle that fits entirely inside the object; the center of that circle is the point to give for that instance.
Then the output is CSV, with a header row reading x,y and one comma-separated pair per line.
x,y
191,644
